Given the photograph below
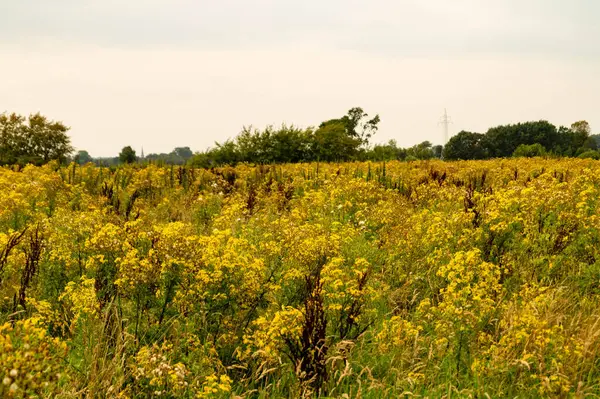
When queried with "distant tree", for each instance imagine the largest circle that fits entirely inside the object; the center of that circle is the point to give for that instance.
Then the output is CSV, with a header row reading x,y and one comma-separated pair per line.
x,y
581,136
423,150
184,153
34,139
179,156
226,153
530,150
582,127
127,155
359,126
107,161
201,160
574,140
437,150
465,145
385,152
82,157
273,145
251,144
356,124
289,144
332,143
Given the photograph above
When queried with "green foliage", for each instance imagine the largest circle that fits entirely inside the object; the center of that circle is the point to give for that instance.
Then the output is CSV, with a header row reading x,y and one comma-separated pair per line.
x,y
179,156
335,140
465,145
358,126
590,154
287,144
127,155
332,143
423,150
530,151
82,157
35,139
502,141
385,152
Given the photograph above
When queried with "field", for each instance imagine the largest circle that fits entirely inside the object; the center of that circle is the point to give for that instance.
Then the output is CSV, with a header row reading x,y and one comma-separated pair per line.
x,y
415,279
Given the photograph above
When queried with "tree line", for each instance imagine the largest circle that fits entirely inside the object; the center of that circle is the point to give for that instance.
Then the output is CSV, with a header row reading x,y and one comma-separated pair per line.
x,y
37,140
347,139
524,139
179,156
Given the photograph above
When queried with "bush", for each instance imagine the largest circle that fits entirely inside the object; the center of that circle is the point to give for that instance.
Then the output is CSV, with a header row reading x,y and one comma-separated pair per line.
x,y
590,154
530,151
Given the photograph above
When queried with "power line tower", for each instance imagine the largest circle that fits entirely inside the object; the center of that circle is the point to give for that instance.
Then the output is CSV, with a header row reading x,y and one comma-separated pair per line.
x,y
445,121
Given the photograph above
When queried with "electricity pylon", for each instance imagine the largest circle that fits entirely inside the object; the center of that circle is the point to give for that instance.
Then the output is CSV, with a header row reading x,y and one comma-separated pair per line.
x,y
445,121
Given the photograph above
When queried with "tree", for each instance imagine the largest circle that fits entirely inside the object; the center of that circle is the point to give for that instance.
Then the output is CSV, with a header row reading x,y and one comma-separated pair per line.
x,y
341,139
332,143
82,157
34,139
581,127
290,144
184,153
127,155
226,154
359,126
281,145
465,145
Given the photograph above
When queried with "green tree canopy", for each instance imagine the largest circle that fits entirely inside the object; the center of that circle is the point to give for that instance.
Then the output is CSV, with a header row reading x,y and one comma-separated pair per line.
x,y
127,155
34,139
359,126
386,152
82,157
502,141
184,153
332,143
423,150
465,145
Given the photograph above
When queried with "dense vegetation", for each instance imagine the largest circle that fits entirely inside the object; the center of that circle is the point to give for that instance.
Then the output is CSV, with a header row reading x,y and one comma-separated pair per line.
x,y
32,140
523,139
337,140
465,279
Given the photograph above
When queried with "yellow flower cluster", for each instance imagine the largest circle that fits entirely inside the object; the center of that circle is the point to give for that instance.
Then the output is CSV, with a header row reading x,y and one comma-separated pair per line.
x,y
31,362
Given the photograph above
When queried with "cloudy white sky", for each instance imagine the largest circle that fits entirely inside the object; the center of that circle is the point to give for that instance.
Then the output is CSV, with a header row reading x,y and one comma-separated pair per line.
x,y
167,73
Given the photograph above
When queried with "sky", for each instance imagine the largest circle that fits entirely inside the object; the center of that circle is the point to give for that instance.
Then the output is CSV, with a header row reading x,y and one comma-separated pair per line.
x,y
160,74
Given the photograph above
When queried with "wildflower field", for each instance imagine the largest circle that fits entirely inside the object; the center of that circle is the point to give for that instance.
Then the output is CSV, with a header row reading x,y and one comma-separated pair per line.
x,y
358,280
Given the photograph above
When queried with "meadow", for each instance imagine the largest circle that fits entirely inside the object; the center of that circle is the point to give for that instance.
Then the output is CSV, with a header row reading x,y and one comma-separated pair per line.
x,y
466,279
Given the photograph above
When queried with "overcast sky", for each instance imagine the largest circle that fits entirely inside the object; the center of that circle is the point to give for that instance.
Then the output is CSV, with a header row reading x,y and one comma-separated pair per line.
x,y
161,74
